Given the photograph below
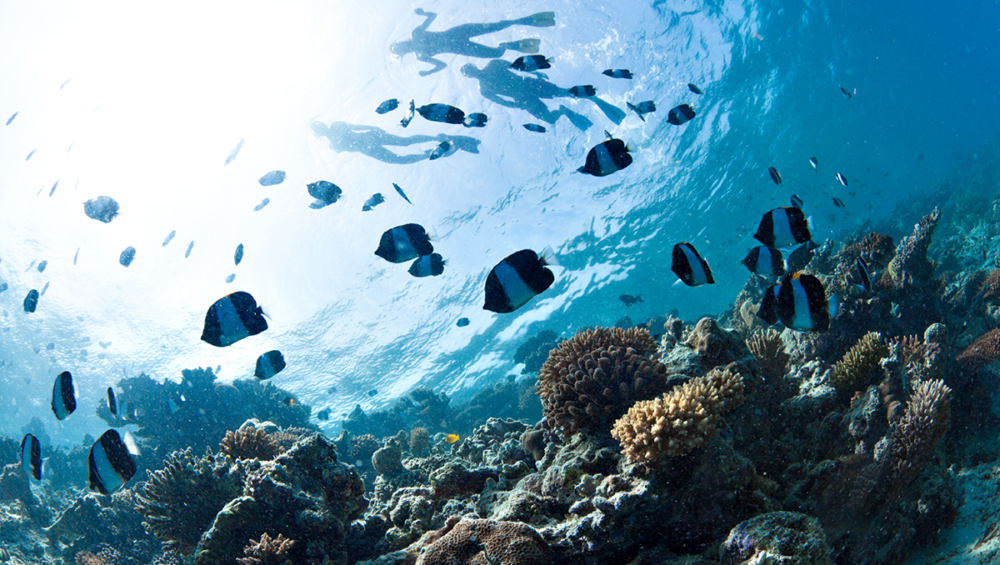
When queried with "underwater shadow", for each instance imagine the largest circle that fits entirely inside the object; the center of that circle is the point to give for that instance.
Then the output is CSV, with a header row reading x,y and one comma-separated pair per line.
x,y
458,40
502,85
372,141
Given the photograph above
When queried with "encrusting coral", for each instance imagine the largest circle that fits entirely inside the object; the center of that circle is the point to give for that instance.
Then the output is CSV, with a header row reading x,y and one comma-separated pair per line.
x,y
249,442
591,379
766,346
680,420
856,367
485,542
267,551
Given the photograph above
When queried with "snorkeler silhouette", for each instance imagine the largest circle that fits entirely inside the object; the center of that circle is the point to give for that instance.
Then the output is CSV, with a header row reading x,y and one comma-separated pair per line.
x,y
500,84
372,141
457,40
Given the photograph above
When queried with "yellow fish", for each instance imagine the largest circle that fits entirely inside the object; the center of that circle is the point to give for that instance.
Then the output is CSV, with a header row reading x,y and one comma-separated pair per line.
x,y
451,438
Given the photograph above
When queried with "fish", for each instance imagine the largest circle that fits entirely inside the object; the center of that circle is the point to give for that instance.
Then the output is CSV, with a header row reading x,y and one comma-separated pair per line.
x,y
112,402
517,279
462,322
331,390
324,192
442,113
783,227
387,106
842,179
475,120
238,256
800,257
802,303
408,117
232,318
775,175
618,73
188,252
606,157
44,288
260,206
234,153
403,243
372,392
535,128
768,309
680,114
582,91
11,119
31,457
629,300
63,396
427,266
230,278
110,464
323,414
838,202
76,256
815,163
126,257
694,88
50,346
451,438
764,260
401,193
269,364
272,178
529,63
103,208
689,266
372,202
642,108
170,237
861,276
31,301
846,92
42,265
28,158
3,287
53,191
440,150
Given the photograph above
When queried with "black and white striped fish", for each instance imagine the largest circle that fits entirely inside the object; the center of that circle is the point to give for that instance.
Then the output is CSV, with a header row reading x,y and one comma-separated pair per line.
x,y
689,266
582,91
427,266
529,63
618,73
112,402
63,396
269,364
680,114
642,108
607,157
783,227
405,242
802,303
31,457
110,463
232,318
517,279
764,260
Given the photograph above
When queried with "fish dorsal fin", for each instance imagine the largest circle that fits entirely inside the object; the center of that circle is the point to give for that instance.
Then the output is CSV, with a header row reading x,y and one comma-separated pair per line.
x,y
608,134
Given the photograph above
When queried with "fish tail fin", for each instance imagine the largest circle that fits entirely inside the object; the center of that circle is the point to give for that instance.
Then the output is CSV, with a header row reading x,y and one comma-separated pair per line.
x,y
638,298
833,305
578,170
548,256
608,134
431,236
810,224
542,19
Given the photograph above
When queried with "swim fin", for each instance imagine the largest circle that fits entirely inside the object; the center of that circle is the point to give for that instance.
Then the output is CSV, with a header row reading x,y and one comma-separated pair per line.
x,y
542,19
530,45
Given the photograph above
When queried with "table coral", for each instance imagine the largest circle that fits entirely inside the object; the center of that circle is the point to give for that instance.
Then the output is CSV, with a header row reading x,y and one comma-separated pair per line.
x,y
591,379
487,542
681,420
856,368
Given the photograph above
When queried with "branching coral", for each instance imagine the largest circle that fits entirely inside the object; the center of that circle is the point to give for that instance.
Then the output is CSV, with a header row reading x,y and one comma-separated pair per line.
x,y
535,350
923,423
487,542
249,442
591,379
680,420
267,551
180,501
856,367
767,347
910,262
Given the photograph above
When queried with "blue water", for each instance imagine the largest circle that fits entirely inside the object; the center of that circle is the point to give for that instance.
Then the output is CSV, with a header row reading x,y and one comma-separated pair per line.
x,y
150,116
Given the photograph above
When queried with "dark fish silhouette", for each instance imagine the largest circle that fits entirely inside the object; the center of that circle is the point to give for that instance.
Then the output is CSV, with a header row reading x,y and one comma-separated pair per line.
x,y
232,318
103,208
694,88
372,202
260,206
618,73
582,91
535,128
764,260
838,202
31,455
800,257
783,227
31,301
440,151
234,153
517,279
408,117
846,92
629,300
642,108
529,63
188,252
403,243
815,163
462,322
269,364
126,257
170,236
606,157
272,178
238,256
427,266
401,193
842,179
797,202
112,402
802,303
63,396
680,114
42,265
775,176
689,266
387,106
324,192
109,465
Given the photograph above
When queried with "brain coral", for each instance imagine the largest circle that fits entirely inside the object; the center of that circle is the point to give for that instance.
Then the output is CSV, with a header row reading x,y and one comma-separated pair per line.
x,y
487,542
856,367
681,419
592,378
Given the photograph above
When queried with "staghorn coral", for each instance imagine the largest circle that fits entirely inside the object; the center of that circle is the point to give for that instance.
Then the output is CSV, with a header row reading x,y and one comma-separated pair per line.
x,y
591,379
420,442
486,542
267,551
180,501
910,262
984,351
856,367
249,442
680,420
767,347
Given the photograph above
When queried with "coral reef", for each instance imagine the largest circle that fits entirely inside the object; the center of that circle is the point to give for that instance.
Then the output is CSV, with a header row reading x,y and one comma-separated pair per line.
x,y
267,551
767,347
420,442
857,367
249,442
777,537
591,379
682,420
486,542
535,350
984,351
910,261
